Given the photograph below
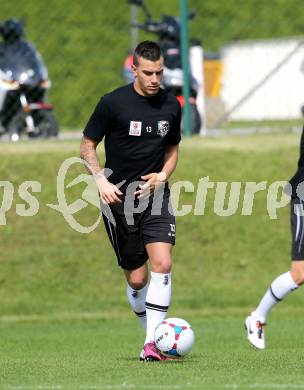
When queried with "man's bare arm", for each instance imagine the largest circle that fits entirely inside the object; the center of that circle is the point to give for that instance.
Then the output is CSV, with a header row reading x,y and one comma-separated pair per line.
x,y
89,155
171,158
108,191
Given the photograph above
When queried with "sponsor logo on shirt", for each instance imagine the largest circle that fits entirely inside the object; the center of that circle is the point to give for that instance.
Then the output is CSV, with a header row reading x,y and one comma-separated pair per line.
x,y
135,128
162,128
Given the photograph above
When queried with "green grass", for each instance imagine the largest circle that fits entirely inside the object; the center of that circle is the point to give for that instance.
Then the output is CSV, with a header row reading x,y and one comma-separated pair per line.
x,y
42,253
103,354
64,319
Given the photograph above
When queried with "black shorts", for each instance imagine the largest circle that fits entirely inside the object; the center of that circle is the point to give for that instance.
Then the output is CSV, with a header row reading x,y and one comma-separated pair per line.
x,y
129,240
297,228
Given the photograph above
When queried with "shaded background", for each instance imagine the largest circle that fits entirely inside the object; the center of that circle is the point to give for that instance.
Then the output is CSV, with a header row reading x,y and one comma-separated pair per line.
x,y
84,44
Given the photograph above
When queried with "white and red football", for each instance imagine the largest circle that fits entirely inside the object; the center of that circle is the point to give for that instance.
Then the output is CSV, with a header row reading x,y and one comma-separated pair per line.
x,y
174,337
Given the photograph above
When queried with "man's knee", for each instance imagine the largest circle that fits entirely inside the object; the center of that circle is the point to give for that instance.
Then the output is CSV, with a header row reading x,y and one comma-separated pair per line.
x,y
136,280
298,278
162,265
137,284
297,274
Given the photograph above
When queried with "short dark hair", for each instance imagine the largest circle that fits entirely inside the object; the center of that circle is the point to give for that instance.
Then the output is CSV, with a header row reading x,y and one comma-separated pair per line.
x,y
147,49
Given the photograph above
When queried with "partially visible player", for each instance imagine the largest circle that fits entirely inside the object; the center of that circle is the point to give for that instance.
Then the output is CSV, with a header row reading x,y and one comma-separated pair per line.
x,y
291,280
141,126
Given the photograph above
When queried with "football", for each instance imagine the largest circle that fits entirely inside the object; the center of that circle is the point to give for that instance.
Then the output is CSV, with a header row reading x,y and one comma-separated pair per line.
x,y
174,337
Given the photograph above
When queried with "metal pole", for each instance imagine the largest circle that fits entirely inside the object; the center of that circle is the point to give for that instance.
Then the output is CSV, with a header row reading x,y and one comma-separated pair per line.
x,y
134,30
185,63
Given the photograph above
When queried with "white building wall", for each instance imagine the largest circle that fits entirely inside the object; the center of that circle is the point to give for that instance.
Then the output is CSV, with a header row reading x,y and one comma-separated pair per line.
x,y
247,64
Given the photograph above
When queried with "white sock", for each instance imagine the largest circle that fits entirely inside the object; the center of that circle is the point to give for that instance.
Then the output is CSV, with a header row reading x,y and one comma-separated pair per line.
x,y
157,302
137,299
278,290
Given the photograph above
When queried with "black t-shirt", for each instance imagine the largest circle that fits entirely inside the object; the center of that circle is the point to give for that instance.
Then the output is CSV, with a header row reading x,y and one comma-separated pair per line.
x,y
137,130
298,177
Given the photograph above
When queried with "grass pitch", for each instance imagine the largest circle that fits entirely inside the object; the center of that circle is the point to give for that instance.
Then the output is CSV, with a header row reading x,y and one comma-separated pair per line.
x,y
64,317
103,354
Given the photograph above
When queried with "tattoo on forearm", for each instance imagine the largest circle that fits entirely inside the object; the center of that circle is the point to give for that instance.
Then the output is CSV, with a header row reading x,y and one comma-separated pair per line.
x,y
89,155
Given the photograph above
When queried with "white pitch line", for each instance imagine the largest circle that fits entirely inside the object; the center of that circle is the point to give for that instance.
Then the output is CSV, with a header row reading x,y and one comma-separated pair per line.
x,y
277,386
137,386
265,386
38,387
102,387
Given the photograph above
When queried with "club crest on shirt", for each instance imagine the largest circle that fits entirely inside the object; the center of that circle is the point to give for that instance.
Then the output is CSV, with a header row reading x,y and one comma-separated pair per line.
x,y
162,128
135,128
